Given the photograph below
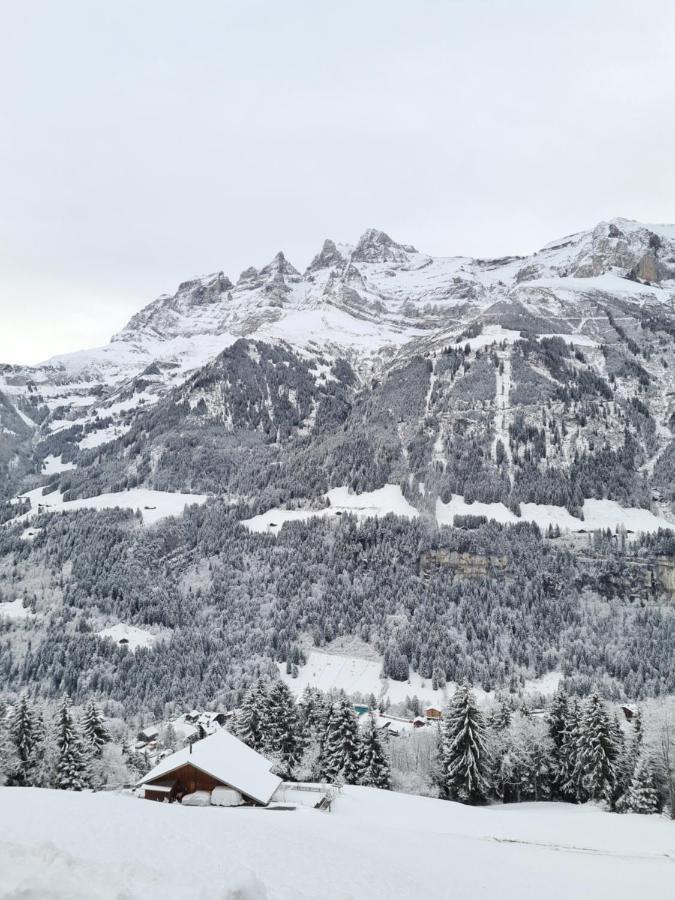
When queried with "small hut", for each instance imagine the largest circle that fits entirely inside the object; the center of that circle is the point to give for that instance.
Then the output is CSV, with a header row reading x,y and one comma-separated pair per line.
x,y
218,761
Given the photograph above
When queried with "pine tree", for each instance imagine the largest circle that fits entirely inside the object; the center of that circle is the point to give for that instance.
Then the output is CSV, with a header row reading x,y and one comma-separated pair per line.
x,y
26,736
637,736
251,716
464,749
71,770
597,751
374,765
314,711
8,755
262,691
341,753
556,720
643,796
568,780
499,716
624,765
285,739
94,732
133,760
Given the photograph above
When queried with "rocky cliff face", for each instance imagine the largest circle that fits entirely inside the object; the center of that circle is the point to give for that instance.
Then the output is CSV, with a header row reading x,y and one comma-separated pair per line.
x,y
510,380
528,403
470,566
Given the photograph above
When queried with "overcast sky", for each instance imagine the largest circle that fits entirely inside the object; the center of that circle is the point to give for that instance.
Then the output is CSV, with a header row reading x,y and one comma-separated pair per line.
x,y
145,142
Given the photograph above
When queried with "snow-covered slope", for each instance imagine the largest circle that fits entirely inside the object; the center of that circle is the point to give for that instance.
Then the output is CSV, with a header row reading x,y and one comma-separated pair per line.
x,y
492,380
380,380
360,672
387,500
366,301
374,844
152,505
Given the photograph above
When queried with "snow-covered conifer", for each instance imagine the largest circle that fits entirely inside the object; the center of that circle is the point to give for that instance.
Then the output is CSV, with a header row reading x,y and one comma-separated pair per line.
x,y
94,732
567,778
341,751
314,709
501,714
8,754
252,715
26,735
642,795
464,749
597,750
284,739
374,764
71,770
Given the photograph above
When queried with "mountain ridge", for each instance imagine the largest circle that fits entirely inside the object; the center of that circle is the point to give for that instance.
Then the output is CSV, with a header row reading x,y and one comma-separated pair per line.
x,y
377,305
466,464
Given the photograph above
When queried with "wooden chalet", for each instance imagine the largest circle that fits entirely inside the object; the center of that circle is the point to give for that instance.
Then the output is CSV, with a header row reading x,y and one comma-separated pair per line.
x,y
217,761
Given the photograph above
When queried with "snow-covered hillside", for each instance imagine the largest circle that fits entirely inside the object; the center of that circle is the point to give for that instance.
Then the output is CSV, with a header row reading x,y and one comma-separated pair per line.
x,y
362,674
387,500
375,845
152,505
367,301
597,514
381,393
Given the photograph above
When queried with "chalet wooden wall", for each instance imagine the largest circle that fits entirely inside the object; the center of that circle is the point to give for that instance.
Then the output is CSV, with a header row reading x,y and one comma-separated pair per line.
x,y
189,779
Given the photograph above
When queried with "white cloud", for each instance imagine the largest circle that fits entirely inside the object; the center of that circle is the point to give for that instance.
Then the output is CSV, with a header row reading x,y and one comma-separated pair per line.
x,y
141,145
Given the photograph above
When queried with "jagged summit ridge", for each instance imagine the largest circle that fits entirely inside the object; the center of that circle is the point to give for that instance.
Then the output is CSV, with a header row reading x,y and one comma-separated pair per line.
x,y
387,275
368,301
376,246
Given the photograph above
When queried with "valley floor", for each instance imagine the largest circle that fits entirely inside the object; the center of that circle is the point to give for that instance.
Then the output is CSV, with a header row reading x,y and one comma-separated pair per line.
x,y
374,844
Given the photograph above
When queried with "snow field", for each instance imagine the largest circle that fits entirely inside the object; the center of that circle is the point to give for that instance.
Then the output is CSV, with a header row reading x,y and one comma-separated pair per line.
x,y
102,436
389,499
135,637
53,465
597,514
381,502
15,610
153,505
357,675
490,334
375,844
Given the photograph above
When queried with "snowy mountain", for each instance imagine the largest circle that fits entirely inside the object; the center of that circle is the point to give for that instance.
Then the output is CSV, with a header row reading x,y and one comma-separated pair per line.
x,y
366,302
376,305
337,446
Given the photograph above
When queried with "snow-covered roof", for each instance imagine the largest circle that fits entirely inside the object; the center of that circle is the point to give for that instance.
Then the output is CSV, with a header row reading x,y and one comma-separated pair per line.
x,y
150,732
227,759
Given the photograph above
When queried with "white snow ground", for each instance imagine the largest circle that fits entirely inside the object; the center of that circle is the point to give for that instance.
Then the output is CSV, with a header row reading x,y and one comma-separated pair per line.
x,y
54,464
381,502
597,514
102,436
134,637
375,845
491,334
14,609
389,499
361,675
153,505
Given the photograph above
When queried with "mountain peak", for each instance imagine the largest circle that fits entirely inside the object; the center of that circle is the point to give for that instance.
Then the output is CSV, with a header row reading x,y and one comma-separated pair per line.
x,y
328,256
280,266
376,246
